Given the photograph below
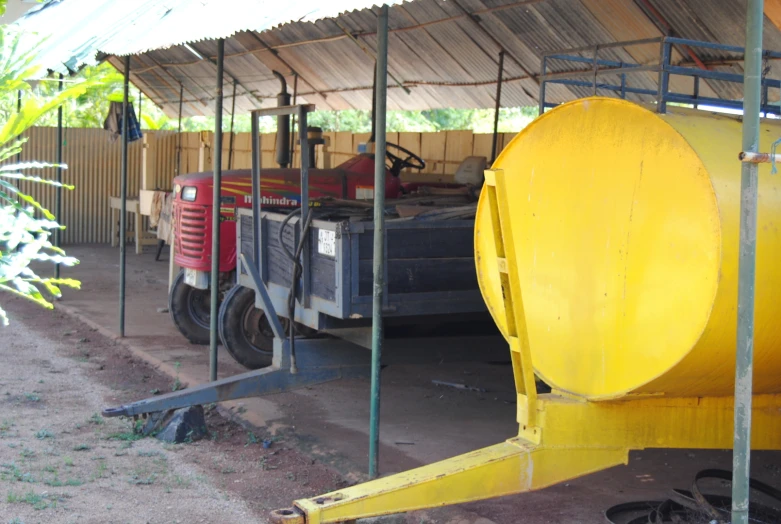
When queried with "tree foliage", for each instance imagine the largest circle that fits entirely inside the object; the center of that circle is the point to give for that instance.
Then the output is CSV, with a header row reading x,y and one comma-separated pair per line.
x,y
25,225
90,109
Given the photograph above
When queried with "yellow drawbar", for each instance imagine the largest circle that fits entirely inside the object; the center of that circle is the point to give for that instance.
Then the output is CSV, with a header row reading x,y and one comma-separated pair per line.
x,y
626,232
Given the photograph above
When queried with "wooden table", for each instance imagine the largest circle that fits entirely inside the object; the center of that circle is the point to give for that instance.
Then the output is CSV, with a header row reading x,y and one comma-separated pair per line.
x,y
142,238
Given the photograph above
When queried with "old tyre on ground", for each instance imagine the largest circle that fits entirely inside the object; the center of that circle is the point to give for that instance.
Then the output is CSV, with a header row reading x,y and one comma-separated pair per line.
x,y
189,308
245,330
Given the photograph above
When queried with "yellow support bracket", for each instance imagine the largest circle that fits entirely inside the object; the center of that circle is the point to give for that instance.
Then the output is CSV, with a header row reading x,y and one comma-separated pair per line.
x,y
511,467
581,438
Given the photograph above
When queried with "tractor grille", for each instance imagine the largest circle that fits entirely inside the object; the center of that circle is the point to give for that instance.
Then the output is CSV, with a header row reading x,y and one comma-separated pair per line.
x,y
190,230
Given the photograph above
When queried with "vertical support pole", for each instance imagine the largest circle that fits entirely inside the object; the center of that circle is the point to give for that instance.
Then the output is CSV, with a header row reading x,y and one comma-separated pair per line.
x,y
233,114
303,143
379,236
256,219
123,199
623,85
664,77
696,91
542,84
140,98
179,132
744,358
293,121
216,190
58,201
498,105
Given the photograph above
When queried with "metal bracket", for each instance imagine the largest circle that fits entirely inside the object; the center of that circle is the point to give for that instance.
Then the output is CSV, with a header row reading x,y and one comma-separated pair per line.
x,y
319,360
517,333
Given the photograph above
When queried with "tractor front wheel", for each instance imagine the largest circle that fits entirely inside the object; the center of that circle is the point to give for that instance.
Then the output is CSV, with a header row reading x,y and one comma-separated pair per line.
x,y
245,330
190,310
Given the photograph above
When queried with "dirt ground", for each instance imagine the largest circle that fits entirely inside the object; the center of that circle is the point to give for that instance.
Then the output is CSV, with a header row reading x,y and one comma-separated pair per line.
x,y
60,461
319,433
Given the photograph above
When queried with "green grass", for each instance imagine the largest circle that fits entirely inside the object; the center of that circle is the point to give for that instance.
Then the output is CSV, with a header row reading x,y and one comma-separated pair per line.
x,y
143,480
38,502
251,439
57,483
96,419
82,447
12,473
27,453
68,461
44,433
125,436
32,397
181,482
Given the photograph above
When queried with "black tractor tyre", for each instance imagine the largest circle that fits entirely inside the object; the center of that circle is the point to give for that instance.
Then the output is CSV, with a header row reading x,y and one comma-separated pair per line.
x,y
245,330
190,310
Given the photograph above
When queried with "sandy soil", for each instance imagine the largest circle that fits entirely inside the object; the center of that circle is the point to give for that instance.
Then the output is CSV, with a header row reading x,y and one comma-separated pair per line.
x,y
60,461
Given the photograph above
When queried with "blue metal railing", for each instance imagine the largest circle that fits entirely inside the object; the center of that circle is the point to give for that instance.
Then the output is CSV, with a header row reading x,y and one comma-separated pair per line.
x,y
601,67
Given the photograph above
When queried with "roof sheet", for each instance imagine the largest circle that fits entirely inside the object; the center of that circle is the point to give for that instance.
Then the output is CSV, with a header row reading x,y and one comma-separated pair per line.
x,y
443,53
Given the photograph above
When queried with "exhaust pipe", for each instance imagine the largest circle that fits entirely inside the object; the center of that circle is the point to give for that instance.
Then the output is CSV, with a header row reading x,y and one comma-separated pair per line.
x,y
283,123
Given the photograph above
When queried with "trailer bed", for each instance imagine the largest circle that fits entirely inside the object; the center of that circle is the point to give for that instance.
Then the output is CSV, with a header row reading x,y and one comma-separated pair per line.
x,y
430,268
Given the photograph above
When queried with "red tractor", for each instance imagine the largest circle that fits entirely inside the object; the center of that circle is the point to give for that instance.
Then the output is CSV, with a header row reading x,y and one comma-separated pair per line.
x,y
189,298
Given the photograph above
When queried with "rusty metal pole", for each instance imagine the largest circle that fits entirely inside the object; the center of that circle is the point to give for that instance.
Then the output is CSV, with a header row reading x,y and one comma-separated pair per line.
x,y
179,134
744,359
123,199
214,304
58,201
379,237
494,138
233,115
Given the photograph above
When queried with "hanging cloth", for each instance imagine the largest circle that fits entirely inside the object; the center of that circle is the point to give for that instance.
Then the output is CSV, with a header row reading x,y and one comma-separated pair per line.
x,y
113,122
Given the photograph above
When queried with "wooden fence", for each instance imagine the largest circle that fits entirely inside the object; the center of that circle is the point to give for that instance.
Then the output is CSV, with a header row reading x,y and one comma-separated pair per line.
x,y
94,165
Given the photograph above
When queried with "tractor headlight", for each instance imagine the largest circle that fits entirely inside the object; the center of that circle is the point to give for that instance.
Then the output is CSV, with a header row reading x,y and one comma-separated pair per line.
x,y
188,193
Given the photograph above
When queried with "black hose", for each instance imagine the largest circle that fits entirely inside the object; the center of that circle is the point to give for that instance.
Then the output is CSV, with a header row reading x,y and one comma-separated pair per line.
x,y
297,270
683,506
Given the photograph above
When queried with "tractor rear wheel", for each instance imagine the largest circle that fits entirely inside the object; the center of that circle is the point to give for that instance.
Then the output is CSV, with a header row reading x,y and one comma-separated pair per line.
x,y
190,310
245,330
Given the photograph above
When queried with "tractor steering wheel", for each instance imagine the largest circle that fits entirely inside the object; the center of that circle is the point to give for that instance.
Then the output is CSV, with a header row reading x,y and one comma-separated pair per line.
x,y
412,160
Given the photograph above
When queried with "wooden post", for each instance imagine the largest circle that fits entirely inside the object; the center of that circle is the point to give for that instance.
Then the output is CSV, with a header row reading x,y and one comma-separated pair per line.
x,y
149,161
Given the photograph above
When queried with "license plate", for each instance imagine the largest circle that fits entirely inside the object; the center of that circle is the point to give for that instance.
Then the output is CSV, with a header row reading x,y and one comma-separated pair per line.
x,y
195,278
326,242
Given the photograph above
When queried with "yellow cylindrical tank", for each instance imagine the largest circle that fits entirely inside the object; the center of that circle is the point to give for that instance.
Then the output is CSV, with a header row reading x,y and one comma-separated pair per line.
x,y
625,224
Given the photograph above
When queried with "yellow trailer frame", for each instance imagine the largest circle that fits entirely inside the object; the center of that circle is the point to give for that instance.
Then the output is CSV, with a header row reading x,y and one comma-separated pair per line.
x,y
560,437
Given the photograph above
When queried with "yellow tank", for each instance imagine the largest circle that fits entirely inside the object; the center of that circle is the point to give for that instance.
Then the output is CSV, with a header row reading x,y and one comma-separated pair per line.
x,y
625,224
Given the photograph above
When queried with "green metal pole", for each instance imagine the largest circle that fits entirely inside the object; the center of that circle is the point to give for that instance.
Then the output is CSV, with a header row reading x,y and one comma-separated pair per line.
x,y
58,201
744,359
379,236
217,189
123,198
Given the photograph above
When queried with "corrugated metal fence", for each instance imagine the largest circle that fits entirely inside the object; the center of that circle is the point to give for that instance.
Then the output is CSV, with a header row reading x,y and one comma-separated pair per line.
x,y
94,165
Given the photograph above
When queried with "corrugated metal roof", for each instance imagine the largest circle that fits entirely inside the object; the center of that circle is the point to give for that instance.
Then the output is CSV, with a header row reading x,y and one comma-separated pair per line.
x,y
81,28
443,53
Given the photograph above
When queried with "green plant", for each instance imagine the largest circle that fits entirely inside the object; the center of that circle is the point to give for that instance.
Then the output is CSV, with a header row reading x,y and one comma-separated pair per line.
x,y
43,434
25,225
96,419
82,447
126,436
